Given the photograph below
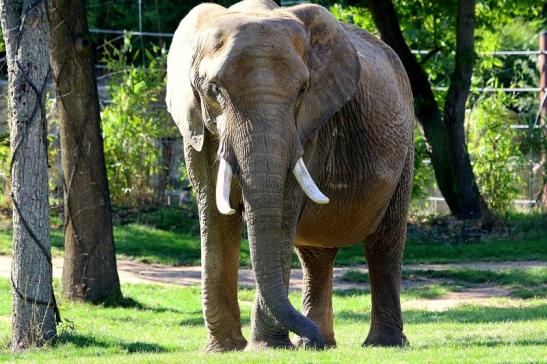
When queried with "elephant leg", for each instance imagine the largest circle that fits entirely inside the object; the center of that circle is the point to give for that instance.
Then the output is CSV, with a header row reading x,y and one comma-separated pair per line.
x,y
317,264
384,252
220,245
220,262
265,330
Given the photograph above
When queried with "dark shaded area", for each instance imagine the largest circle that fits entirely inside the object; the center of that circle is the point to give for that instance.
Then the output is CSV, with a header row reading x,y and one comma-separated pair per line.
x,y
128,302
162,16
82,341
182,220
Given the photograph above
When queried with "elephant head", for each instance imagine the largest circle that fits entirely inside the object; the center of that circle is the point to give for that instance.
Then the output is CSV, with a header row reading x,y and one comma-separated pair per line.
x,y
262,83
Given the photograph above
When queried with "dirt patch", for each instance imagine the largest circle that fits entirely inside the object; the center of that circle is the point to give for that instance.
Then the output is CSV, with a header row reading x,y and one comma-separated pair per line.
x,y
479,296
494,266
137,272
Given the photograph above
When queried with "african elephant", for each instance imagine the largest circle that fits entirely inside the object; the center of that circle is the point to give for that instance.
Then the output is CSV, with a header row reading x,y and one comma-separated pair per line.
x,y
302,127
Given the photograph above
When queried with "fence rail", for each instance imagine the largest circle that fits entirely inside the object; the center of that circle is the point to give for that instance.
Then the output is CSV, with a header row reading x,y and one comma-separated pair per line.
x,y
532,52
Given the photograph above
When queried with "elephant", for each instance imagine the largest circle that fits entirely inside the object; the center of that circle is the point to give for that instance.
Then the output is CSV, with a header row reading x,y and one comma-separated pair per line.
x,y
300,127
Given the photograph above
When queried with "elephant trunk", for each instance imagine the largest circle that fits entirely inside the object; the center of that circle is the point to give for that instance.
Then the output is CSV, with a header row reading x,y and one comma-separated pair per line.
x,y
263,182
263,150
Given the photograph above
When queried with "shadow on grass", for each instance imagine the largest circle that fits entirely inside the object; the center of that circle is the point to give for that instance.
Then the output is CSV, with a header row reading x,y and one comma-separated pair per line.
x,y
467,341
465,314
128,302
497,342
82,341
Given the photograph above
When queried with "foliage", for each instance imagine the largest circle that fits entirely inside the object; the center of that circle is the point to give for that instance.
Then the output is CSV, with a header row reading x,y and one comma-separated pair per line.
x,y
429,26
134,122
359,16
495,154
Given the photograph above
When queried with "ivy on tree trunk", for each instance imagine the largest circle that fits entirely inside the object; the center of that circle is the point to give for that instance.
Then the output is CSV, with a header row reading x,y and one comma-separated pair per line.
x,y
26,37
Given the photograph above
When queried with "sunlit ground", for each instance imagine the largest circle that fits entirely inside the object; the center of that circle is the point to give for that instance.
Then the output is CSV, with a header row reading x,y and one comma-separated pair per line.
x,y
164,324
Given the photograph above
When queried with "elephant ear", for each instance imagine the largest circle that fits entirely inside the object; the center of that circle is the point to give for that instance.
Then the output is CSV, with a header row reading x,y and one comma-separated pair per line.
x,y
333,65
182,101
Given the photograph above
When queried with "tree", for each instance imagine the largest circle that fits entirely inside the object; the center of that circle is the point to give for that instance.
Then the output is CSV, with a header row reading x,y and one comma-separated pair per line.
x,y
26,37
89,272
444,131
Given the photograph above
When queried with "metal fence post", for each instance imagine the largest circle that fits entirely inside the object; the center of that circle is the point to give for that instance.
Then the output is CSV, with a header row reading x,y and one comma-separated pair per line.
x,y
543,110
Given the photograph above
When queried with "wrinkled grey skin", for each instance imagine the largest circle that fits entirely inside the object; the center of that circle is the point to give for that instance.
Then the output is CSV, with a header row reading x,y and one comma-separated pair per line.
x,y
260,87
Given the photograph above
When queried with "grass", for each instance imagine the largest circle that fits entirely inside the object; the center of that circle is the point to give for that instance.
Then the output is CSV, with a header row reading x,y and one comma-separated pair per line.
x,y
157,323
171,236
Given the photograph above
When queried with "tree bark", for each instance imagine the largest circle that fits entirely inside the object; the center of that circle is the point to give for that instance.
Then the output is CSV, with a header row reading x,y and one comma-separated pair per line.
x,y
26,36
89,272
444,132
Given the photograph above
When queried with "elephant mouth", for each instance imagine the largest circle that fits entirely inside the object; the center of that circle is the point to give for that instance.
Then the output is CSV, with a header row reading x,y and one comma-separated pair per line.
x,y
300,172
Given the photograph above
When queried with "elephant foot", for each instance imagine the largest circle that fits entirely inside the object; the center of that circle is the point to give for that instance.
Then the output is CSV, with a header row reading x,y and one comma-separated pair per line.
x,y
216,345
389,339
305,343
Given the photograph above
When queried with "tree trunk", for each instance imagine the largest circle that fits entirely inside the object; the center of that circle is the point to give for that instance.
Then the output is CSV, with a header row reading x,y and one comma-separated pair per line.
x,y
445,135
27,46
89,272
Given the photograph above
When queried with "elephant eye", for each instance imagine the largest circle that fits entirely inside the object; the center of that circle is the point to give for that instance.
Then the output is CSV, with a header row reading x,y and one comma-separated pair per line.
x,y
303,89
213,90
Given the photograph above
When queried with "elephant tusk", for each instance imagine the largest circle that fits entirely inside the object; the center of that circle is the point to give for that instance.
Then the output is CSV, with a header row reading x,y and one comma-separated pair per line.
x,y
224,182
308,185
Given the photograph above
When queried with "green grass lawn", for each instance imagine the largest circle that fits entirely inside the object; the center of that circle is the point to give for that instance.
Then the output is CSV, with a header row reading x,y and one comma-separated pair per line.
x,y
164,324
168,236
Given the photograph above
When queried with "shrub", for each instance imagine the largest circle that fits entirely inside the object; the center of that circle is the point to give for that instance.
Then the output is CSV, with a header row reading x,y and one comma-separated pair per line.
x,y
134,122
495,151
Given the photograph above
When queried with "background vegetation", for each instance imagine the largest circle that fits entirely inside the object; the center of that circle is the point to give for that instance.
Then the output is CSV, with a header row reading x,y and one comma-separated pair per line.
x,y
502,157
164,323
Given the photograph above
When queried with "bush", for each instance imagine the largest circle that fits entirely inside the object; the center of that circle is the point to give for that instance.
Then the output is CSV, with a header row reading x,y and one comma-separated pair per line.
x,y
134,122
495,152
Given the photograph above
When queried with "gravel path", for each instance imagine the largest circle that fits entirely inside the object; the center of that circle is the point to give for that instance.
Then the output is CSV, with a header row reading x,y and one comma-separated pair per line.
x,y
136,272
